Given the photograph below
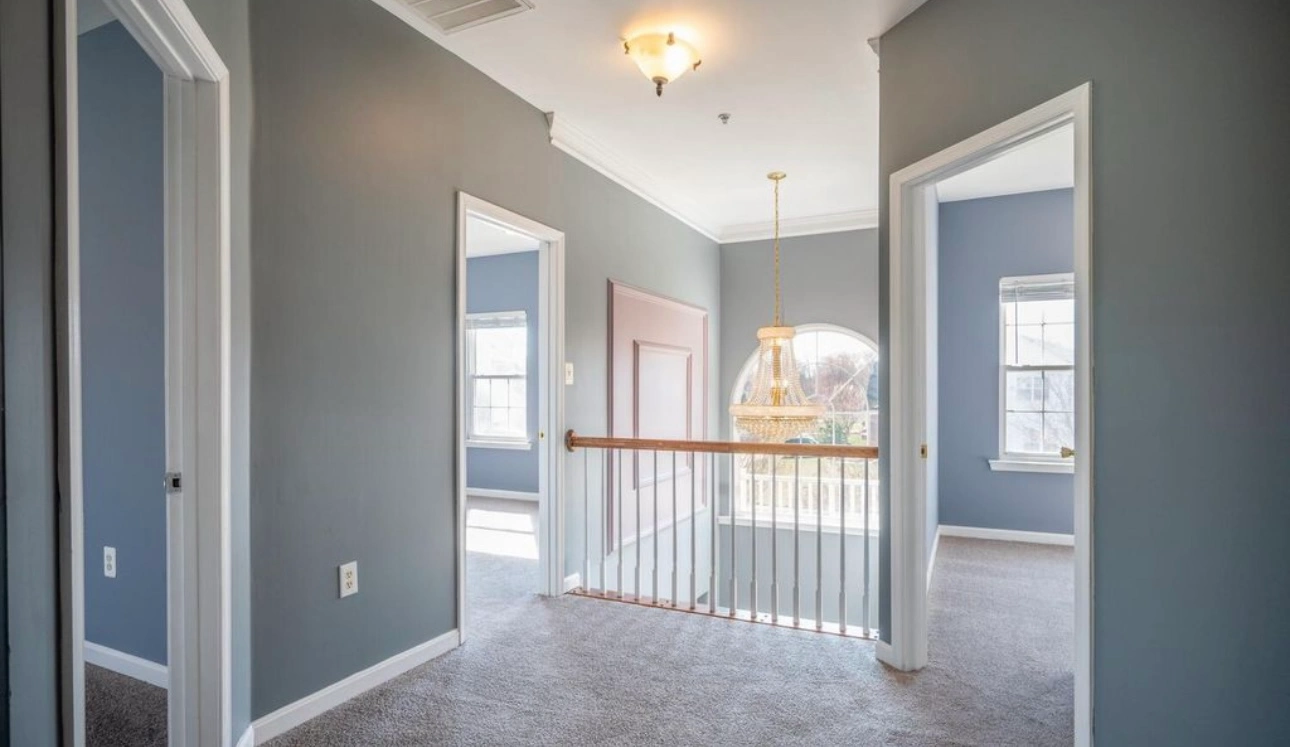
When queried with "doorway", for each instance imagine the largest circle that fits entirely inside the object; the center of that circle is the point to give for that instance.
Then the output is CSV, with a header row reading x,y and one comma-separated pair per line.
x,y
125,418
915,390
510,322
144,362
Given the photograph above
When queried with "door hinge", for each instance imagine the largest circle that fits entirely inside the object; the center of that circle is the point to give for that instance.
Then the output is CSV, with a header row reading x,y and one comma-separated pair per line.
x,y
922,451
174,482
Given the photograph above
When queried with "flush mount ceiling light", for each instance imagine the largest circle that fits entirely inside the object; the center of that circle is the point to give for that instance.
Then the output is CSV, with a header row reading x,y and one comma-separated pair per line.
x,y
662,57
776,408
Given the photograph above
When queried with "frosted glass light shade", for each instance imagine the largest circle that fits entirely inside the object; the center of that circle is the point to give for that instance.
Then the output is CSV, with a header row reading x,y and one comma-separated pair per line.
x,y
662,57
776,409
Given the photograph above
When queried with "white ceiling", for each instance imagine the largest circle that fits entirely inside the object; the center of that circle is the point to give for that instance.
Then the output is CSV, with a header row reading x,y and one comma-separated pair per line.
x,y
485,238
798,79
1047,162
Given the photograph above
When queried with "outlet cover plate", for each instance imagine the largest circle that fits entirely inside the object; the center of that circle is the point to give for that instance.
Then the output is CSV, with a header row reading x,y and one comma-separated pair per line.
x,y
348,579
109,562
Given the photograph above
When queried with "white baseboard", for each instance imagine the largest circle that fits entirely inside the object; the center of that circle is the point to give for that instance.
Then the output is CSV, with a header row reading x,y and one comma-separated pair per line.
x,y
572,581
506,495
248,737
290,716
1008,535
931,559
127,664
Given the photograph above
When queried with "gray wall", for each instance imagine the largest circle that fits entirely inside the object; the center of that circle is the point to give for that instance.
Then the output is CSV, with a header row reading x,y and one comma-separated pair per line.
x,y
31,715
364,131
982,241
1191,280
123,341
507,282
829,278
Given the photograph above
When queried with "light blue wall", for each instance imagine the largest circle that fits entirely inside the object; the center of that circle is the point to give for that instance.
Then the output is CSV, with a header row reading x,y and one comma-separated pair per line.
x,y
1191,284
123,341
982,241
507,282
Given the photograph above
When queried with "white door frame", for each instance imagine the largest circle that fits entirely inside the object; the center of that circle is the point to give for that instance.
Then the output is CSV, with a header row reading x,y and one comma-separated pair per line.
x,y
550,395
197,334
912,380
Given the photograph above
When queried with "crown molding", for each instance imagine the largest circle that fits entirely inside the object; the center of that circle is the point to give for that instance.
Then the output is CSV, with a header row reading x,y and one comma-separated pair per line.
x,y
583,147
806,226
589,151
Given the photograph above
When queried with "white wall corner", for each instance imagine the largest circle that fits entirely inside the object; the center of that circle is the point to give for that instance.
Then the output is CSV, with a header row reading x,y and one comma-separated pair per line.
x,y
248,737
810,225
294,714
587,149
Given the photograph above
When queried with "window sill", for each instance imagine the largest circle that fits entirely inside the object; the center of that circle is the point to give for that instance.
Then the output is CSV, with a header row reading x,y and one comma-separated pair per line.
x,y
484,443
1063,467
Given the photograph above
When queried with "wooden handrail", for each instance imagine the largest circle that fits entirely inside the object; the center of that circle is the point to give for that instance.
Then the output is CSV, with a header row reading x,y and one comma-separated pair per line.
x,y
573,441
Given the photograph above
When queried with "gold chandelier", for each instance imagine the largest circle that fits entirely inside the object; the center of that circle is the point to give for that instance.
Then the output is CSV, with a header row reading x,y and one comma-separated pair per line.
x,y
776,408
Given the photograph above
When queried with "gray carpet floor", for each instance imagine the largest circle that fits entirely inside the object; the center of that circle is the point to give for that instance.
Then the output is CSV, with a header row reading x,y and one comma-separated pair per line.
x,y
576,671
121,711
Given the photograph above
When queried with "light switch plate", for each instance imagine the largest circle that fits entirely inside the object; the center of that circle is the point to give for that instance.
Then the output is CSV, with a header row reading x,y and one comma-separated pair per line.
x,y
109,562
348,579
568,373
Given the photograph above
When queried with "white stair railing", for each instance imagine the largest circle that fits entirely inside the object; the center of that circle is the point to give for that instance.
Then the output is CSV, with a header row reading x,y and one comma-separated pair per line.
x,y
781,498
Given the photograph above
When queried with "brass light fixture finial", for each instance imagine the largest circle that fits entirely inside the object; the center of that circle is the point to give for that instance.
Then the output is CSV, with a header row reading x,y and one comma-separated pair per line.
x,y
662,57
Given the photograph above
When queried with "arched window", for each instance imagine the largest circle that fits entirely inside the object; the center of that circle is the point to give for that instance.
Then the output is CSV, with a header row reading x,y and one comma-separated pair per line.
x,y
838,369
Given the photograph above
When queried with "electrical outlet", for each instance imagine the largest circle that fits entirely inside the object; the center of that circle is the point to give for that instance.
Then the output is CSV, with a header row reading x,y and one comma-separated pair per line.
x,y
568,374
109,562
349,579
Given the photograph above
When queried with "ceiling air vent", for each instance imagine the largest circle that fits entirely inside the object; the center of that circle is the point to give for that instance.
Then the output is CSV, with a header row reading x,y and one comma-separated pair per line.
x,y
456,15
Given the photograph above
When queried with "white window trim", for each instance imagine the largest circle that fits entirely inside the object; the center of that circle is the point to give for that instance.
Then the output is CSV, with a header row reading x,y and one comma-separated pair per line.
x,y
1041,465
1021,462
519,443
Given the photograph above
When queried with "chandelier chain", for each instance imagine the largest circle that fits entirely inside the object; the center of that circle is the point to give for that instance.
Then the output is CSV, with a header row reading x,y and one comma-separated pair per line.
x,y
777,296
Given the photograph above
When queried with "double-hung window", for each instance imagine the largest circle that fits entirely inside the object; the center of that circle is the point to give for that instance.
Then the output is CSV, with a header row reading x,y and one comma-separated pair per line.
x,y
497,361
1037,375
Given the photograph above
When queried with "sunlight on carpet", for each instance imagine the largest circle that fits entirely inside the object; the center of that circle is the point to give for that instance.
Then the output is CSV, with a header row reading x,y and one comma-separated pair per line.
x,y
507,533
